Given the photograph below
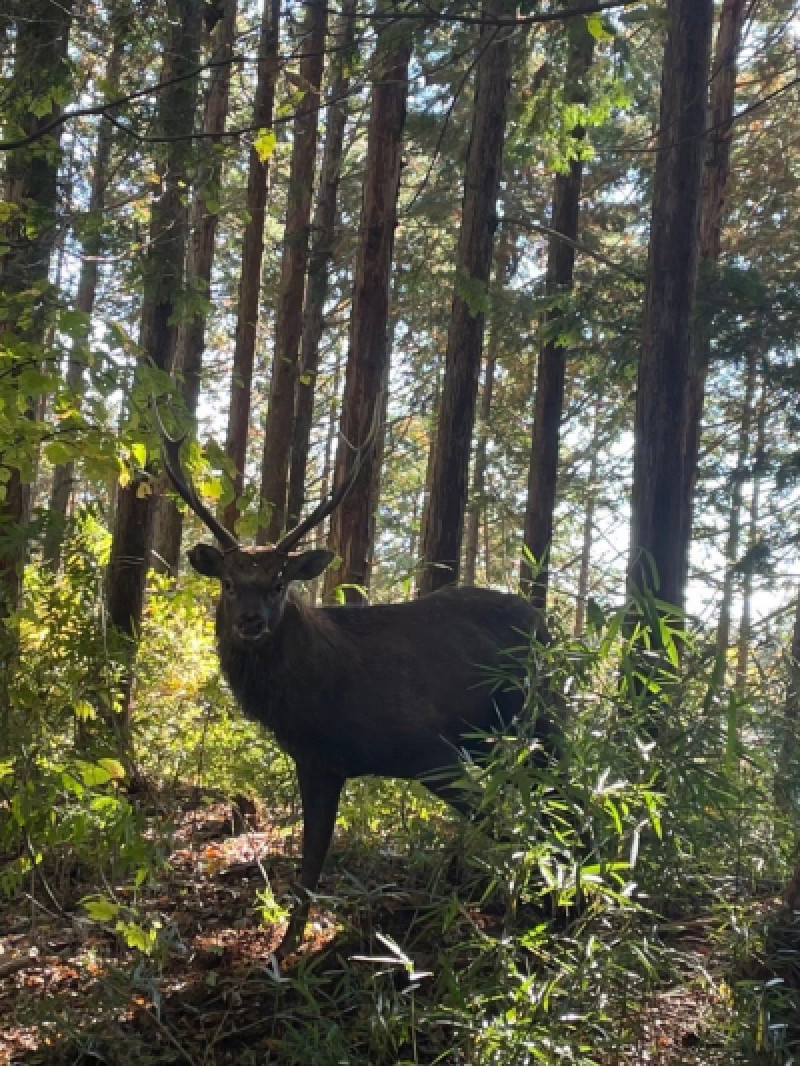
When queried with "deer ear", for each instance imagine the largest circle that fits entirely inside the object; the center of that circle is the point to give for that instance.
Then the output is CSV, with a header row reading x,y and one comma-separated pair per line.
x,y
307,566
206,560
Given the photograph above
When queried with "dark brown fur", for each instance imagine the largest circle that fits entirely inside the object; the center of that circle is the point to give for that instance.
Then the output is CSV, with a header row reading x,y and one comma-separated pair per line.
x,y
391,690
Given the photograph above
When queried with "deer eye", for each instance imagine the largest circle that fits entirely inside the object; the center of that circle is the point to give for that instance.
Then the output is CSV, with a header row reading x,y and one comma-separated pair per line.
x,y
228,585
278,587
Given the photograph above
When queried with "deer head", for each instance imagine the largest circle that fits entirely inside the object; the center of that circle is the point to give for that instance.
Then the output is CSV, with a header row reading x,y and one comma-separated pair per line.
x,y
254,581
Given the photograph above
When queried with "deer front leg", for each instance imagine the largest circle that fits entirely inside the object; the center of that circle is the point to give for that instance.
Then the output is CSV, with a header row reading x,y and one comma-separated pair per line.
x,y
320,792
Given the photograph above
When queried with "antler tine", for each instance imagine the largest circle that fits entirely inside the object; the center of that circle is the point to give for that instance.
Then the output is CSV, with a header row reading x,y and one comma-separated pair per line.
x,y
328,506
171,451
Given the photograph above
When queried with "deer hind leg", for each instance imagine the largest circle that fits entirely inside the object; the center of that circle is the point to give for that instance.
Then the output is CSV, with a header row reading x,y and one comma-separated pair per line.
x,y
320,792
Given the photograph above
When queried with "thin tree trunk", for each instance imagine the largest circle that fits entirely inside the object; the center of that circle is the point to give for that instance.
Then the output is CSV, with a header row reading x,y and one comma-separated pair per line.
x,y
582,600
252,254
552,364
203,219
505,268
323,232
660,463
320,535
745,623
712,214
444,524
64,474
735,519
289,317
30,185
787,777
478,504
368,354
164,273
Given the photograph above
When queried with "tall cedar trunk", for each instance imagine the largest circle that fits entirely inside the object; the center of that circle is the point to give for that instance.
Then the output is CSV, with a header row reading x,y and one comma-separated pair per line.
x,y
660,461
735,514
252,253
163,281
428,482
712,214
478,504
552,364
64,474
787,777
503,260
199,262
289,317
31,185
745,631
444,523
323,232
368,354
582,599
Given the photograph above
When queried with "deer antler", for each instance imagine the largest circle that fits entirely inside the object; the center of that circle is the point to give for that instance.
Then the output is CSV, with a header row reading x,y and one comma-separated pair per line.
x,y
328,506
171,452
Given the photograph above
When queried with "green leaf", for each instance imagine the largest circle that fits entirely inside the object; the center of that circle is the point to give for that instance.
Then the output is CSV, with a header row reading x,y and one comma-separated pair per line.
x,y
474,292
57,454
264,144
101,909
113,767
599,28
93,774
139,453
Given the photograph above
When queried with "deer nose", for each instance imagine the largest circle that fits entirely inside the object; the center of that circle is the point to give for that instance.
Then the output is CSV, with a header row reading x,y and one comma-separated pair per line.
x,y
251,625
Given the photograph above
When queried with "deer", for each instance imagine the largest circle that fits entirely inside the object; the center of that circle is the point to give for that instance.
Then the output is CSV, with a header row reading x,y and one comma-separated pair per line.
x,y
403,690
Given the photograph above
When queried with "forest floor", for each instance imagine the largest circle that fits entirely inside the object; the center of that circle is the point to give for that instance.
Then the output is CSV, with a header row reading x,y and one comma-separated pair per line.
x,y
72,992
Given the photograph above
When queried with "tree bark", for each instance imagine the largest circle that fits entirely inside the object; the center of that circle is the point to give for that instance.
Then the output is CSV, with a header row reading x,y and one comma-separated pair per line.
x,y
735,519
503,260
660,465
552,365
368,354
745,622
323,233
203,219
31,189
712,214
252,253
64,474
582,600
444,523
289,318
164,274
786,778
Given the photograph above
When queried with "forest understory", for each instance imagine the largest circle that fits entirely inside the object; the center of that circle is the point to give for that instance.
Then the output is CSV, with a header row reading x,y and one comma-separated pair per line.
x,y
75,994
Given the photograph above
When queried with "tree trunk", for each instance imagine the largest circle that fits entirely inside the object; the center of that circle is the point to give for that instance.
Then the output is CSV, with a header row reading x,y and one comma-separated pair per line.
x,y
64,474
478,504
712,213
320,534
552,364
734,523
252,253
203,220
786,787
368,354
130,549
582,600
444,523
660,463
745,630
31,187
477,507
289,318
323,232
